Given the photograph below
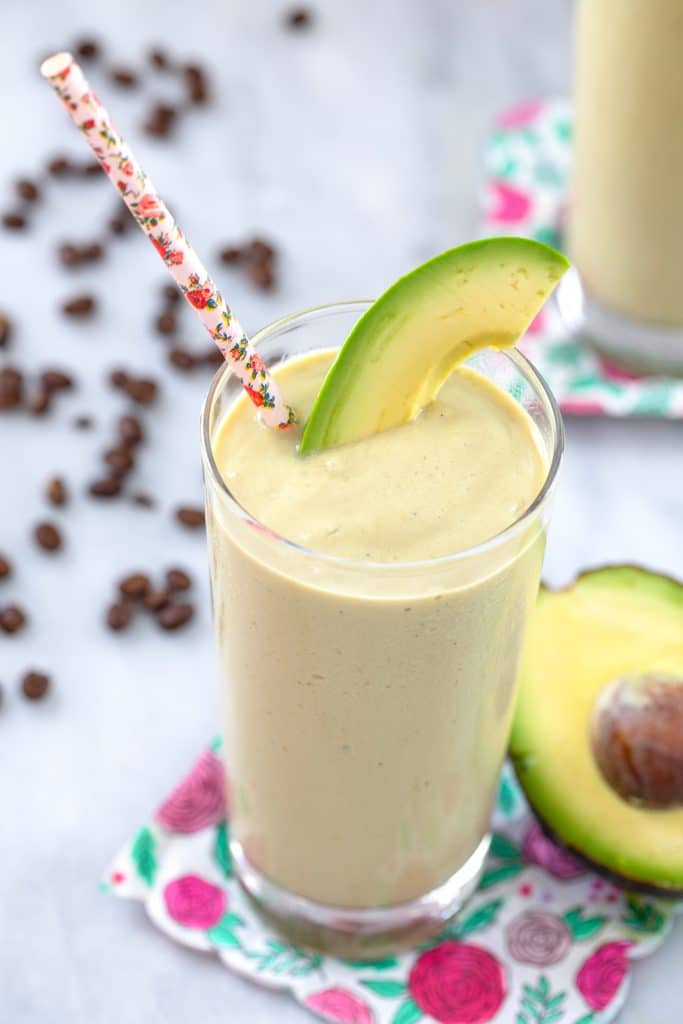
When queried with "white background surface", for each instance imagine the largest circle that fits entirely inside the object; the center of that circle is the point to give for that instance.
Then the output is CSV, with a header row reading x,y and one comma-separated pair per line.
x,y
357,147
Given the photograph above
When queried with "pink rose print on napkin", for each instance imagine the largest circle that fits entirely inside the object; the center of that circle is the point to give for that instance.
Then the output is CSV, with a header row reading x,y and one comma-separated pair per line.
x,y
458,983
339,1005
506,203
198,801
538,849
600,977
535,937
520,115
192,901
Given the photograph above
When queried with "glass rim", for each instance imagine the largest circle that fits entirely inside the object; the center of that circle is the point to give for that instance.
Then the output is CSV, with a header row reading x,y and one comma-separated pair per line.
x,y
285,323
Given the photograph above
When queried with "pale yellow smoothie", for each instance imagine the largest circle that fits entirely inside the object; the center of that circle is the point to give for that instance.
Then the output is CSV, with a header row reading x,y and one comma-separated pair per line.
x,y
626,214
367,702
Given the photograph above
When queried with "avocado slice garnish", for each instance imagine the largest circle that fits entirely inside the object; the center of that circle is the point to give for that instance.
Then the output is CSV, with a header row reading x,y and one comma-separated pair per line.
x,y
405,345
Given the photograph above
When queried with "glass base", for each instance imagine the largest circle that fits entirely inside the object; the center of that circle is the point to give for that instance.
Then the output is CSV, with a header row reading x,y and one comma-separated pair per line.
x,y
638,345
359,934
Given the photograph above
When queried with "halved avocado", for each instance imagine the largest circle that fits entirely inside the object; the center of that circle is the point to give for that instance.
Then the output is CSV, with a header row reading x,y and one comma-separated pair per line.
x,y
585,643
403,348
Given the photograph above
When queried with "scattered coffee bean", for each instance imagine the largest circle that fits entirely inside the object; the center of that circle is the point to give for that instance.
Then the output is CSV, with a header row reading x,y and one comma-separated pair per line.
x,y
79,306
90,169
14,221
106,487
142,390
93,252
160,120
69,255
134,586
143,499
231,254
178,579
48,537
130,430
166,323
261,275
83,422
120,461
182,359
56,380
35,685
158,58
212,357
299,17
56,492
11,388
191,516
193,73
12,619
173,616
197,91
171,294
87,49
38,402
125,77
5,330
156,599
118,225
60,167
118,379
119,615
5,567
260,251
27,189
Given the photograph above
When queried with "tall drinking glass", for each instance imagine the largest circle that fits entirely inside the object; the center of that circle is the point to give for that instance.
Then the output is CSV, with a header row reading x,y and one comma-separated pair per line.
x,y
366,705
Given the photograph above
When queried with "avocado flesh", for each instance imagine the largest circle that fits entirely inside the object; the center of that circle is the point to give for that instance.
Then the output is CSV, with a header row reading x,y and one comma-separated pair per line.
x,y
611,622
406,344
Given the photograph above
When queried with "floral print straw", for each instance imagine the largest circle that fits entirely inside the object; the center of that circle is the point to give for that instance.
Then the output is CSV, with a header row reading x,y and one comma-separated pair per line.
x,y
123,170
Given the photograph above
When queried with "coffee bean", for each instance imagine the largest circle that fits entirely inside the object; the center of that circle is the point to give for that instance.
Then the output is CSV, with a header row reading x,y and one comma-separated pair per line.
x,y
120,461
160,120
59,167
155,600
5,567
142,390
119,615
299,17
118,225
92,252
87,49
56,380
261,275
158,59
171,294
143,499
118,379
11,388
35,685
193,73
14,221
231,254
83,422
48,537
27,189
12,619
197,92
212,357
79,306
124,77
182,359
173,616
134,586
106,487
178,579
69,255
260,251
191,516
130,430
56,492
90,169
38,402
6,330
166,323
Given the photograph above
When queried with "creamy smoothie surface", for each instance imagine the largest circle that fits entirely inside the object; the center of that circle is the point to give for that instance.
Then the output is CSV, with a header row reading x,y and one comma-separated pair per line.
x,y
462,472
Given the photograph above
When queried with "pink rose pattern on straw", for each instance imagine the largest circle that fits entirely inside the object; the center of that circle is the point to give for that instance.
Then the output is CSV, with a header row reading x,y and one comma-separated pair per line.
x,y
135,188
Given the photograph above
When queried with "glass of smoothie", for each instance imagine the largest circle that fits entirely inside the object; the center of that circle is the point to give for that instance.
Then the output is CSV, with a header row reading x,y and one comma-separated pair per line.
x,y
625,226
370,603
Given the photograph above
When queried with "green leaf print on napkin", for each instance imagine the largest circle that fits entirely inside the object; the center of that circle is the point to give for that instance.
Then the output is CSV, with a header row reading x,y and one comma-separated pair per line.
x,y
280,958
221,850
538,1005
580,925
143,855
642,916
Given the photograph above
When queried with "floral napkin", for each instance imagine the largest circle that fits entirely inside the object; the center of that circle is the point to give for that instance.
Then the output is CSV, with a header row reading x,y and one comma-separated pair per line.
x,y
543,941
527,168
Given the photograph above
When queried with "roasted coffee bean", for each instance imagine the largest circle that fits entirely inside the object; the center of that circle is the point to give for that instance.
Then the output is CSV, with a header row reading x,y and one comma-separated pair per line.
x,y
38,402
130,430
143,499
69,255
59,167
197,92
178,579
261,275
118,379
142,390
87,49
56,380
48,537
158,58
5,330
5,567
118,225
12,619
212,356
171,294
119,615
231,254
14,221
173,616
160,120
191,516
134,586
34,685
182,359
124,77
83,422
299,17
120,461
56,492
92,252
193,72
166,323
260,251
11,388
90,169
79,306
106,487
27,190
155,600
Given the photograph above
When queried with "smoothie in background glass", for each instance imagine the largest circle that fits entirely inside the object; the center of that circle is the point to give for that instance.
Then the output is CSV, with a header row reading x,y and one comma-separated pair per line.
x,y
626,213
370,602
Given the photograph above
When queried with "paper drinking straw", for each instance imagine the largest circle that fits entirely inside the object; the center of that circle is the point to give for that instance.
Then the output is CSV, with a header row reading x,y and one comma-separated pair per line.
x,y
118,162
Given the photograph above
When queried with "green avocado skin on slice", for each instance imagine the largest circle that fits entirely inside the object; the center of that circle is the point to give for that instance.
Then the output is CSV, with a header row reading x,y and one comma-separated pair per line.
x,y
610,623
405,345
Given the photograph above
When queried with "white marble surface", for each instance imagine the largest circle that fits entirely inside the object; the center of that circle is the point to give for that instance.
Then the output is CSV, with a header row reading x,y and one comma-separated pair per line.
x,y
357,147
